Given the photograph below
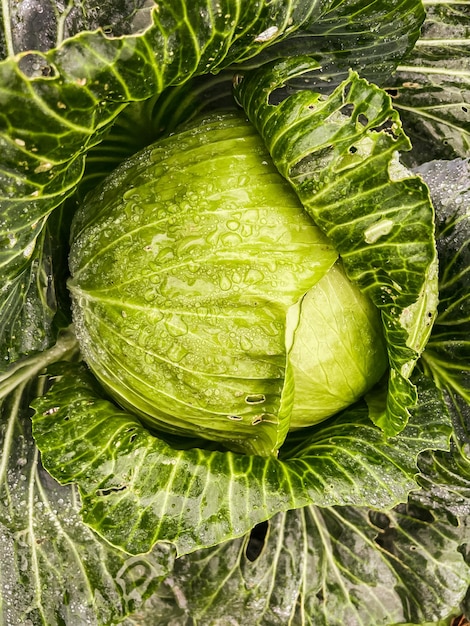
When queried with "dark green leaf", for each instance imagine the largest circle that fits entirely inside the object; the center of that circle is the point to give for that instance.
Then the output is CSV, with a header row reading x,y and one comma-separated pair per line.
x,y
448,351
38,25
28,305
54,570
340,155
447,357
431,87
368,37
323,567
137,490
445,476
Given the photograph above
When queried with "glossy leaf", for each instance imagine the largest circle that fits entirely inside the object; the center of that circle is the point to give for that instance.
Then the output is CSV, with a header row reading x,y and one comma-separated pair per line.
x,y
137,490
431,88
447,357
323,567
339,153
57,105
54,569
41,26
448,351
28,305
370,38
380,41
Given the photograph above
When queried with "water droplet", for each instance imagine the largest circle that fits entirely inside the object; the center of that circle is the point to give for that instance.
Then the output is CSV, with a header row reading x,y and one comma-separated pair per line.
x,y
165,254
233,225
225,283
245,343
254,276
236,278
193,267
176,353
230,239
149,295
176,327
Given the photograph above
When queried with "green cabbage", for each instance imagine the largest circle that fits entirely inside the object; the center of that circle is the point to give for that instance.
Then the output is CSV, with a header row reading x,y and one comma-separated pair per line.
x,y
207,301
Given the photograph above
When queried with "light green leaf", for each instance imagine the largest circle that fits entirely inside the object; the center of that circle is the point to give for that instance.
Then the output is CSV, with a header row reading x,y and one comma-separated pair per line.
x,y
340,155
338,350
137,490
54,569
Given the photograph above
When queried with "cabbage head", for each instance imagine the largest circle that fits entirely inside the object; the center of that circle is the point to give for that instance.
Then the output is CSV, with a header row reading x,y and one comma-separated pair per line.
x,y
208,302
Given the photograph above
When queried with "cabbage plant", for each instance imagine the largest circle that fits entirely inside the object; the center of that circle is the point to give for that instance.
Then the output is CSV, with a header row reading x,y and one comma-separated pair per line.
x,y
234,312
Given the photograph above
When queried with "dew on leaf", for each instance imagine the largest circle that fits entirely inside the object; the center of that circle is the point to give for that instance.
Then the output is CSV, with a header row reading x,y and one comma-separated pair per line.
x,y
225,283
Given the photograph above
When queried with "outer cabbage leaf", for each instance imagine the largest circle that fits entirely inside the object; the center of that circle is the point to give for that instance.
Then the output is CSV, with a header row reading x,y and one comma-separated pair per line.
x,y
431,88
444,476
444,479
323,567
340,155
137,490
54,569
38,25
370,38
28,304
447,354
